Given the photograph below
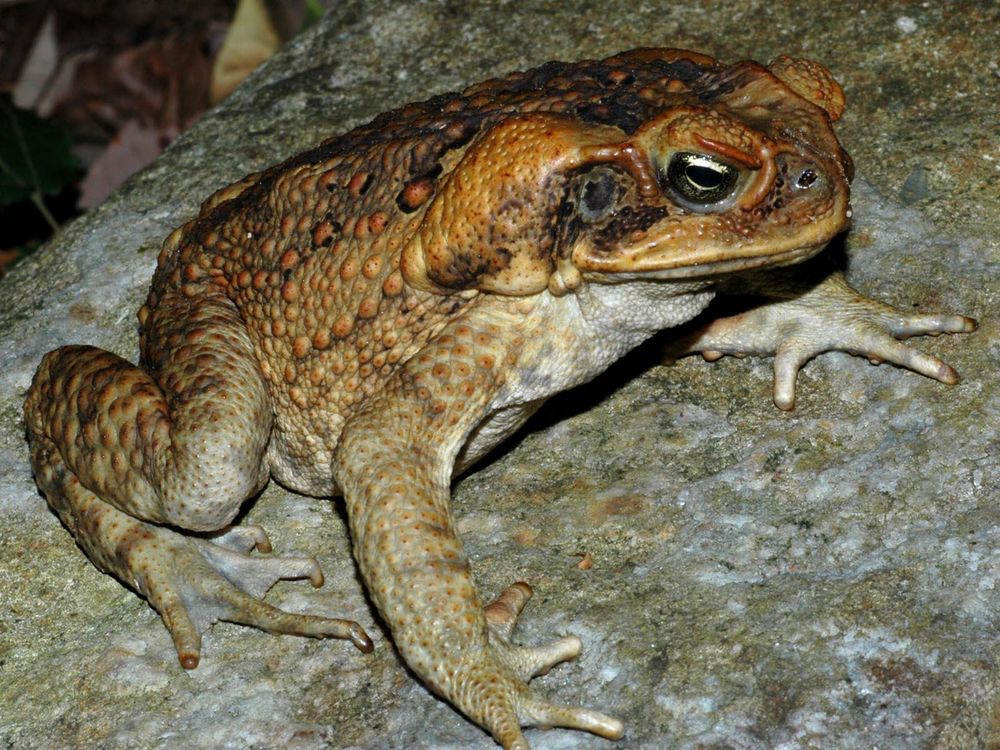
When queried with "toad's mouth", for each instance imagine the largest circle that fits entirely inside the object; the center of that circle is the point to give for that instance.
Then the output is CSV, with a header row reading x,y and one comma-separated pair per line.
x,y
568,276
735,264
717,263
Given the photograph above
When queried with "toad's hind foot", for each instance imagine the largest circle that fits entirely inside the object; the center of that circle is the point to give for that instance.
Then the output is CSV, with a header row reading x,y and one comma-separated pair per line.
x,y
193,582
517,665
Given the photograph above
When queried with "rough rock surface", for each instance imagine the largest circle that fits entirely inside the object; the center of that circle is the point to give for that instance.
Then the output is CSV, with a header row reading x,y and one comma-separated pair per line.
x,y
827,578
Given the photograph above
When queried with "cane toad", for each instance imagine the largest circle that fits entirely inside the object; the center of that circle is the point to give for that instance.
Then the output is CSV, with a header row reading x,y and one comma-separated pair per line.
x,y
374,315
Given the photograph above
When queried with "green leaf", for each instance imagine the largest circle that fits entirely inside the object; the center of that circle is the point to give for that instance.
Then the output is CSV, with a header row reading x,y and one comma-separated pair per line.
x,y
313,12
35,155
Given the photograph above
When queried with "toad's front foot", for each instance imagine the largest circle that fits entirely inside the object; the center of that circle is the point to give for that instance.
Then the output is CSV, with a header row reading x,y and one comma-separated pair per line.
x,y
829,316
494,690
193,582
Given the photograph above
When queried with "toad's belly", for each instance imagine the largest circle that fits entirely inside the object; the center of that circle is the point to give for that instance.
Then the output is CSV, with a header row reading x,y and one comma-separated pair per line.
x,y
301,456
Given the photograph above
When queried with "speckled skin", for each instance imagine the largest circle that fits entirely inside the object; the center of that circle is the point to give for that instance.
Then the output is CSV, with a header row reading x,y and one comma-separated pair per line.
x,y
375,314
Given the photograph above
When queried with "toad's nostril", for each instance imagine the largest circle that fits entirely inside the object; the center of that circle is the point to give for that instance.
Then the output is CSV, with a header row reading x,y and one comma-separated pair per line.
x,y
806,178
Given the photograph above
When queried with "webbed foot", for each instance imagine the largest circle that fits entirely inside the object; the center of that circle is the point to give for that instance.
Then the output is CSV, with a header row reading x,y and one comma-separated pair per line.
x,y
193,582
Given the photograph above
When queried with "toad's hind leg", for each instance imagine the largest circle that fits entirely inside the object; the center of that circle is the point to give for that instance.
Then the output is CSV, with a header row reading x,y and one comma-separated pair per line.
x,y
124,453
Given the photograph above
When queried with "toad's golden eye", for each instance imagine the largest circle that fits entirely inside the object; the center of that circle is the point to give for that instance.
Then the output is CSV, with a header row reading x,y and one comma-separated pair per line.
x,y
700,180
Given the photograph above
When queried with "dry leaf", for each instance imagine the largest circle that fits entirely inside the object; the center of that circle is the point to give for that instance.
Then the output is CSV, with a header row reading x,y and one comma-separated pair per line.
x,y
39,67
132,148
250,41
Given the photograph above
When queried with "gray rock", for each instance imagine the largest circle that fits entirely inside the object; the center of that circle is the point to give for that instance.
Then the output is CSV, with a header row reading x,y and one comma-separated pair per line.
x,y
822,579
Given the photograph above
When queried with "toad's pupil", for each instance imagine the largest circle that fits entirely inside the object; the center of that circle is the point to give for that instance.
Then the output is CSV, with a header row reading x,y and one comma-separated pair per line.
x,y
703,178
807,178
